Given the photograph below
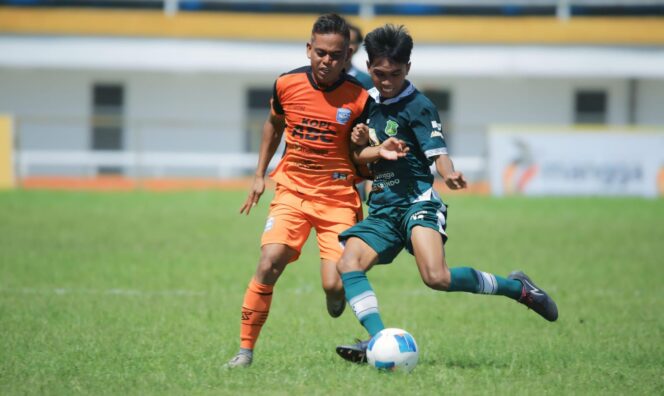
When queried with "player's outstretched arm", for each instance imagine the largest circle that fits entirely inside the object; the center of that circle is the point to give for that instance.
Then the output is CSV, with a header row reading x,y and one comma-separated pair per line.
x,y
273,129
453,179
391,149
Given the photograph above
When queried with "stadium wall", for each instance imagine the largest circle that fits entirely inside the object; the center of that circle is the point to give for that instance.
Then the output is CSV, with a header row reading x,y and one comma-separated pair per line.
x,y
208,112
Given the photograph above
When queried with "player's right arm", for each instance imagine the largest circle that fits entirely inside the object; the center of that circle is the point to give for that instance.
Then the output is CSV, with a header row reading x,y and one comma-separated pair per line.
x,y
273,129
391,149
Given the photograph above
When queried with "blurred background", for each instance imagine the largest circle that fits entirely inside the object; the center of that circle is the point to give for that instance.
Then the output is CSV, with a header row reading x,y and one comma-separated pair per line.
x,y
539,97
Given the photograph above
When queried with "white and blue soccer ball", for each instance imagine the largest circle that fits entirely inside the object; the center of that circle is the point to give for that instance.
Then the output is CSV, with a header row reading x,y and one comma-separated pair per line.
x,y
393,349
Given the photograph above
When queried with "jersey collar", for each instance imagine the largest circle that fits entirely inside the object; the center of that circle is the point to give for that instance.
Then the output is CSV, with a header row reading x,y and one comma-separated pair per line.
x,y
410,88
312,81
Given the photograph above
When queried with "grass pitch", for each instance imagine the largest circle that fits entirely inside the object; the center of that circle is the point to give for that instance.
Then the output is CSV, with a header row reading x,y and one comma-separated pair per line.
x,y
139,293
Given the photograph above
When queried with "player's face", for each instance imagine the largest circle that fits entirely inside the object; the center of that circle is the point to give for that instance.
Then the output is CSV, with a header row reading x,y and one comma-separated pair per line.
x,y
388,77
354,43
328,53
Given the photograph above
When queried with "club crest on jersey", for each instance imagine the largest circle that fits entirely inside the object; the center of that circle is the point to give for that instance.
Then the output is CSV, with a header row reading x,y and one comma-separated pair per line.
x,y
391,128
269,224
343,115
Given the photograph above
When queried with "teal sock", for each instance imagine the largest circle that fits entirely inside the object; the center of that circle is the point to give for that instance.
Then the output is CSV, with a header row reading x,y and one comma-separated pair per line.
x,y
362,299
470,280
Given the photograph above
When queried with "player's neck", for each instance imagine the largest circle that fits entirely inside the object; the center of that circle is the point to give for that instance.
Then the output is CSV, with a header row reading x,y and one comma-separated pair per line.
x,y
399,92
325,85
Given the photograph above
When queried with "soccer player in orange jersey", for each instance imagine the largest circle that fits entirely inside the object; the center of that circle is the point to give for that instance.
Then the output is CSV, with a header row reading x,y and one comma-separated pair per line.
x,y
315,107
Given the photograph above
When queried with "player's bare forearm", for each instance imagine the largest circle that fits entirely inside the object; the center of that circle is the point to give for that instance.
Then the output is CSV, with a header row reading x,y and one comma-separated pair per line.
x,y
273,129
444,165
453,179
366,154
359,140
391,149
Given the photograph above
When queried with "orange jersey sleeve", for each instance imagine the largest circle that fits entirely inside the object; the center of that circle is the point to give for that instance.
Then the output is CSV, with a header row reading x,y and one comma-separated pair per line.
x,y
317,161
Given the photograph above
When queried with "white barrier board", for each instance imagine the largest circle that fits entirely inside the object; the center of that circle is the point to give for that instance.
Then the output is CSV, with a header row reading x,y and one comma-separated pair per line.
x,y
576,162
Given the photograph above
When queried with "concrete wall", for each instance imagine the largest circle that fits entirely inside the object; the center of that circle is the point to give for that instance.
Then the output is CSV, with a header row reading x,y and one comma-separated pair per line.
x,y
163,112
206,112
478,103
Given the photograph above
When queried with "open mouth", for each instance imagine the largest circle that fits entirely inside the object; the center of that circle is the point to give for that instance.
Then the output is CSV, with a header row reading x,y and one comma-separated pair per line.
x,y
386,91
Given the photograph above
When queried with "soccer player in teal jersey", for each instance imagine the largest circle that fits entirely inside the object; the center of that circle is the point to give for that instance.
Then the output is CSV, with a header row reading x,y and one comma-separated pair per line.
x,y
355,42
404,209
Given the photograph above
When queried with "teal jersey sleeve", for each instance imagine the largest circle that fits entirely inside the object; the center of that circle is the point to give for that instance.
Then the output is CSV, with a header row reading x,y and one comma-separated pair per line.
x,y
365,80
428,130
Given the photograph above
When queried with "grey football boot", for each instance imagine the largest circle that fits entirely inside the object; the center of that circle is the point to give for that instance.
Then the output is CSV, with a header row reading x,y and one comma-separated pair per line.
x,y
535,298
355,353
240,360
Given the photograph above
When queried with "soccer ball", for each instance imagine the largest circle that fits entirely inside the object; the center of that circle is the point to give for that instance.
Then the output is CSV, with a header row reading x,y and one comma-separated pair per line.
x,y
393,349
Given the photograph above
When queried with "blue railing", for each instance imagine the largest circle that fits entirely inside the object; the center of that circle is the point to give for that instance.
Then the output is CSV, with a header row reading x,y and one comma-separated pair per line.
x,y
370,8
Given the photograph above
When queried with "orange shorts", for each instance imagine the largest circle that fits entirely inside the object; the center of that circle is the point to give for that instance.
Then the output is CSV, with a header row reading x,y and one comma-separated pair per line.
x,y
292,216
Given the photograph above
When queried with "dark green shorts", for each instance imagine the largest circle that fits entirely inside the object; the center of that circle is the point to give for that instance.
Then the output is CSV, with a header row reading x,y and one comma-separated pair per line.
x,y
387,230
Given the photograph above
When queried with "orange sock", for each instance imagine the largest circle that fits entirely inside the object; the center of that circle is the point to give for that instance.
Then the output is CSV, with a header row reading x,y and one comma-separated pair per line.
x,y
255,308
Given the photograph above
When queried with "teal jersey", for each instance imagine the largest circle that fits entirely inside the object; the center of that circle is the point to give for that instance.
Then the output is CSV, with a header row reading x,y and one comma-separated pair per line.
x,y
411,117
362,77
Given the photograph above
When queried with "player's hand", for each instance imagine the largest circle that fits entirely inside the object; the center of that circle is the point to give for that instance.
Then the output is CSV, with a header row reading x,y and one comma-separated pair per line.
x,y
255,193
455,181
392,149
360,135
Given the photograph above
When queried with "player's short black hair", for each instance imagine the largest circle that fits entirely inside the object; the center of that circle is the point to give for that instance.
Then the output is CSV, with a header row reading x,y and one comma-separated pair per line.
x,y
391,42
358,33
331,24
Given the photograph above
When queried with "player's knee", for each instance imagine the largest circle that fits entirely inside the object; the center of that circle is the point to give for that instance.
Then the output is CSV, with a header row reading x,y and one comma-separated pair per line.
x,y
332,284
269,268
348,263
438,279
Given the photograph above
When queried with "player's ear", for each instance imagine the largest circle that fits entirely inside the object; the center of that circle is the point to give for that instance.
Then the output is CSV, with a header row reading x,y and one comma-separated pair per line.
x,y
407,68
309,50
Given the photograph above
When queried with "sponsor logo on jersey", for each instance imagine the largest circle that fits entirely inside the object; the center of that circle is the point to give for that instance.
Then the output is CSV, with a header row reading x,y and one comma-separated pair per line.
x,y
382,184
343,115
391,128
339,176
437,129
418,215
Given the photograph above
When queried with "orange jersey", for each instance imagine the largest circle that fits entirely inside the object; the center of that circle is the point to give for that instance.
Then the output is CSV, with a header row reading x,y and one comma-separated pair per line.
x,y
316,162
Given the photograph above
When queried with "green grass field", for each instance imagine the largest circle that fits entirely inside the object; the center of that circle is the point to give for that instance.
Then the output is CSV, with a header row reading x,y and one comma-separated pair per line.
x,y
140,293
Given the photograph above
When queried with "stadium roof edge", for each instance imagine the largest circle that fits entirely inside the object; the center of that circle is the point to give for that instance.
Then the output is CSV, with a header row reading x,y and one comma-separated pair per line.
x,y
295,27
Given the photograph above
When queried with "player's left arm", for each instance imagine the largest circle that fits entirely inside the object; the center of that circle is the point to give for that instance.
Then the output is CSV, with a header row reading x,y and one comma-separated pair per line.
x,y
359,138
453,179
428,130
